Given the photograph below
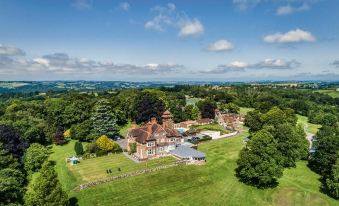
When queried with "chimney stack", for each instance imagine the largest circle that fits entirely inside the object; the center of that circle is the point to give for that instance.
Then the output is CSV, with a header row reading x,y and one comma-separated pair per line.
x,y
153,120
134,125
149,126
167,121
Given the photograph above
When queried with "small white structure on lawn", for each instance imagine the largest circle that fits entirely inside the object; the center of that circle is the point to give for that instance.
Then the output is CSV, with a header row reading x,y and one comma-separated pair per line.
x,y
74,160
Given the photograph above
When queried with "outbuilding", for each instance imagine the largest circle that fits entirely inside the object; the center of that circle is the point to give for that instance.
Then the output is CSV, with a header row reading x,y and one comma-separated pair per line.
x,y
191,155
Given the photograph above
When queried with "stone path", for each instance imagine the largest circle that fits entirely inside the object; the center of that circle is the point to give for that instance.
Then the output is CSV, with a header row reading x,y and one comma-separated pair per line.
x,y
309,135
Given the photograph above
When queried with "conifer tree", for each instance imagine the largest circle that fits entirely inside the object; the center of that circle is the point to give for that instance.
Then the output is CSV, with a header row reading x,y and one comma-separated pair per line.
x,y
104,121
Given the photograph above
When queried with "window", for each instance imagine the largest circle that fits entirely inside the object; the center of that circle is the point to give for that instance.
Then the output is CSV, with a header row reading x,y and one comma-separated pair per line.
x,y
150,151
172,139
150,144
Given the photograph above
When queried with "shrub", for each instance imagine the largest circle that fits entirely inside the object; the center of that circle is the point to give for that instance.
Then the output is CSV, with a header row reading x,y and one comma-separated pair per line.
x,y
133,148
91,147
100,153
107,144
78,148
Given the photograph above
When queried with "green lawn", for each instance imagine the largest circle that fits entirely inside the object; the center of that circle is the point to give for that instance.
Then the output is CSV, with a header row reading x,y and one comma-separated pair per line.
x,y
211,184
332,92
95,168
124,130
244,110
312,128
213,127
192,100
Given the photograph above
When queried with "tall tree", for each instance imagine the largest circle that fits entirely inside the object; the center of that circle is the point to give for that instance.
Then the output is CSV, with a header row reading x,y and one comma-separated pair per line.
x,y
331,183
11,141
326,150
11,186
253,120
82,131
258,163
292,144
148,104
207,108
46,188
34,157
104,121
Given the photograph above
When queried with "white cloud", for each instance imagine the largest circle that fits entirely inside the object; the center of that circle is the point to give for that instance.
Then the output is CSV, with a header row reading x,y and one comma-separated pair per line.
x,y
275,64
245,4
219,46
284,7
165,17
335,63
239,66
292,36
285,10
288,9
125,6
168,17
10,51
82,4
61,63
191,28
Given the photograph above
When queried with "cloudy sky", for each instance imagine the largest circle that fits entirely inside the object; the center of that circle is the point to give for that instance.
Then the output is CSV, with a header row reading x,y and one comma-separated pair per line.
x,y
230,40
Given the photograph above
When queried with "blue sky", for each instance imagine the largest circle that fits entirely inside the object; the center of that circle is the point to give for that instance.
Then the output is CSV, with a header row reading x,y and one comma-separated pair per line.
x,y
234,40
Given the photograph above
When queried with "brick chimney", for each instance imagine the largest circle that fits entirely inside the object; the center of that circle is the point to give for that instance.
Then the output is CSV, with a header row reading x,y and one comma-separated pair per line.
x,y
167,121
134,125
149,126
153,120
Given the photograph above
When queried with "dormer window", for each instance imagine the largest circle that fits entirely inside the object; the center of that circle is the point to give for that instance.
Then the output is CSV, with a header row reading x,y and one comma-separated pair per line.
x,y
150,144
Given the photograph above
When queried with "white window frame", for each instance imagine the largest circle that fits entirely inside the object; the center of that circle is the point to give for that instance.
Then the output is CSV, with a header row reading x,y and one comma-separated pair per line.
x,y
150,152
150,144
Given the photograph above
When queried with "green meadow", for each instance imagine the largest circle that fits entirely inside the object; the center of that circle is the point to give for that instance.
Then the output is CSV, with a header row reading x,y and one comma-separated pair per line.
x,y
211,184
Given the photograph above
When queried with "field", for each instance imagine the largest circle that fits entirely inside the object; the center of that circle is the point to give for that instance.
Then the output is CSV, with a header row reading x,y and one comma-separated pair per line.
x,y
211,184
95,168
213,127
244,110
124,130
12,85
312,128
332,92
192,100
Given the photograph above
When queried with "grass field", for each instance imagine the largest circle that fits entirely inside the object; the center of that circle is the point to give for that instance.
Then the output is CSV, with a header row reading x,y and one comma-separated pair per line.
x,y
95,168
192,100
12,85
244,110
124,130
213,127
312,128
332,92
211,184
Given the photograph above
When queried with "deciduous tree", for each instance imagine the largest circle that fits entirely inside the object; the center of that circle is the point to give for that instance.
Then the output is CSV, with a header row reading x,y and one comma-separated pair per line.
x,y
46,188
34,157
258,163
